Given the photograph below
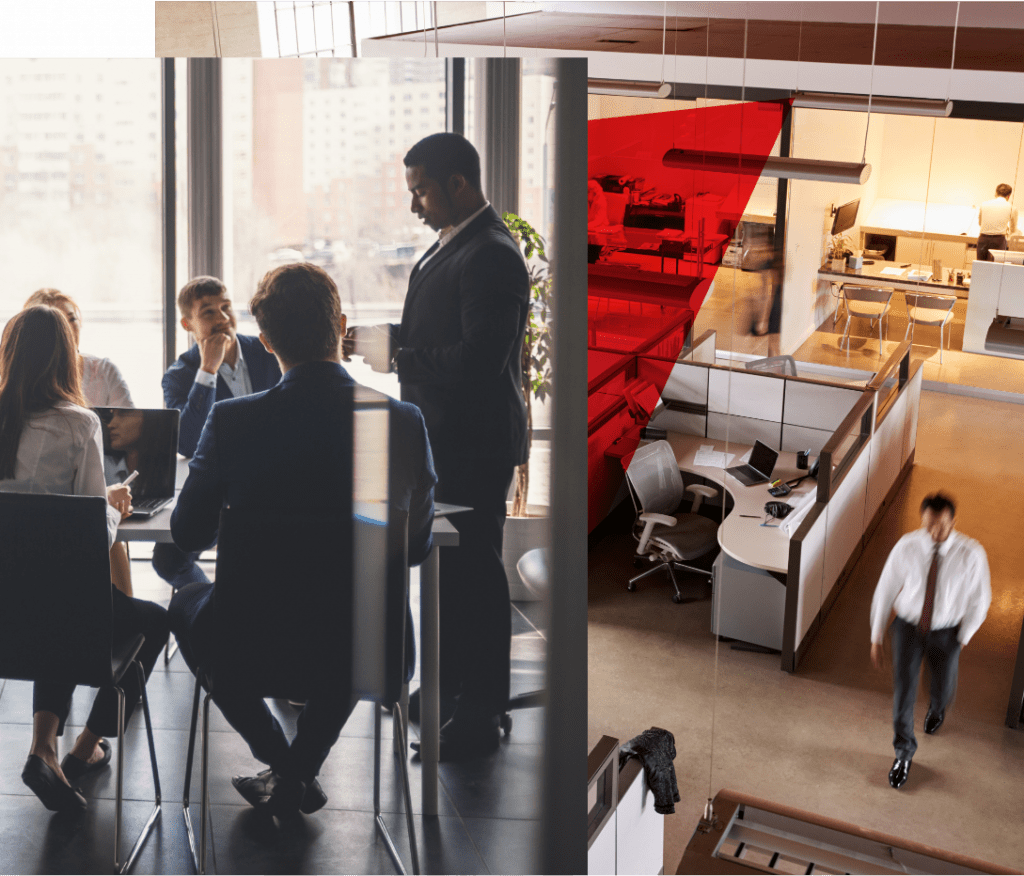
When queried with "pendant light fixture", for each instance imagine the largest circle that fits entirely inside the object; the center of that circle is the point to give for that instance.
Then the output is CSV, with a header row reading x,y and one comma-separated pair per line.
x,y
904,106
785,168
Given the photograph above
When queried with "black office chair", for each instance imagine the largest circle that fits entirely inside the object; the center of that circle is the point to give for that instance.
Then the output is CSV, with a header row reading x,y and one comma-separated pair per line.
x,y
57,620
330,635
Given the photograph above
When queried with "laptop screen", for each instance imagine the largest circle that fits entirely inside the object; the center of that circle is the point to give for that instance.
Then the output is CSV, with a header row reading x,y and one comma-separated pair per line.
x,y
142,439
763,458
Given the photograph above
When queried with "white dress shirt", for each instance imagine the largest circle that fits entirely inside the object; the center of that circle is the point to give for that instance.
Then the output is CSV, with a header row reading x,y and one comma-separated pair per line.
x,y
446,235
236,378
61,451
962,589
102,384
997,217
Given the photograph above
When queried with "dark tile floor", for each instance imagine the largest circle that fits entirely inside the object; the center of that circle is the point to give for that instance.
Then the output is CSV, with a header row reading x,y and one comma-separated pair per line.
x,y
489,809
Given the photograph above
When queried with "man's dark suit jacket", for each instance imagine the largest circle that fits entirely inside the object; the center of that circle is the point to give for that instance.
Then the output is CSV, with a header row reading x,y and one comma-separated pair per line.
x,y
290,449
182,393
460,343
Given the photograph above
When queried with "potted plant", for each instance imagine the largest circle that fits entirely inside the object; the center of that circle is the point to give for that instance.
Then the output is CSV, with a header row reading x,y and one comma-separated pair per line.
x,y
527,525
842,250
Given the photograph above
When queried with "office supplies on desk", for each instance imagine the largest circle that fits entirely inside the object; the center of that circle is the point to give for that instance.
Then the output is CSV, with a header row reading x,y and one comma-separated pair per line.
x,y
780,490
893,272
707,455
759,469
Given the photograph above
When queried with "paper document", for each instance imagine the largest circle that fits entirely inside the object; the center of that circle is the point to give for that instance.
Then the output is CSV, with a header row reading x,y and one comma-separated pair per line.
x,y
892,272
707,455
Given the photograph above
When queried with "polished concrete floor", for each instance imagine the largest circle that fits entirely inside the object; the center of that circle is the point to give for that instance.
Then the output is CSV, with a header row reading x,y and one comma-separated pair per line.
x,y
489,809
820,739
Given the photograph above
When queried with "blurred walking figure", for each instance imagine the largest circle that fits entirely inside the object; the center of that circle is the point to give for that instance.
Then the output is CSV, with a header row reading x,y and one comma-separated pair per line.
x,y
937,581
758,254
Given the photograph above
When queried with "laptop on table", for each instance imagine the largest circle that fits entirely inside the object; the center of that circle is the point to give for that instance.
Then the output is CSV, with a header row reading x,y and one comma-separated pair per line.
x,y
759,469
145,439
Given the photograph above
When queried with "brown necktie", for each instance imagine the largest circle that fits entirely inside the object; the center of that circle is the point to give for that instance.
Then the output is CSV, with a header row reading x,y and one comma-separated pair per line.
x,y
925,623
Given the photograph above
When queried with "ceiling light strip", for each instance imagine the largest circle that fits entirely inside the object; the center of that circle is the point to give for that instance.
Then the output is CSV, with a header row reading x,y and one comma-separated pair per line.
x,y
623,88
812,169
905,106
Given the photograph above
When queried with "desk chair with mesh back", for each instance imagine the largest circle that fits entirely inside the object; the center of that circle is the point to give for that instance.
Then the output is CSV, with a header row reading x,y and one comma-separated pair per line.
x,y
929,310
333,634
664,537
774,365
57,621
866,302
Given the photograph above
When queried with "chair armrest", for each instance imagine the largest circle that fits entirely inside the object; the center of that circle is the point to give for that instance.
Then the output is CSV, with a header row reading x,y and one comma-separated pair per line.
x,y
663,519
650,521
700,491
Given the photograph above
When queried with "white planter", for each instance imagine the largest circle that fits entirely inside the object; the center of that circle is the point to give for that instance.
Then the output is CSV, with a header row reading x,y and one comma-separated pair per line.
x,y
520,535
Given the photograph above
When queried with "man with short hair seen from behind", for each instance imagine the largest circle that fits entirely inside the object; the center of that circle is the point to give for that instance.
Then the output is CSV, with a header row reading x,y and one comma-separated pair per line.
x,y
290,450
996,219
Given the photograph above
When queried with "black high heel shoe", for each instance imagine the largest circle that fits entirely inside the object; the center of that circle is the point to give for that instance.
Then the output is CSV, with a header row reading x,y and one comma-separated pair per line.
x,y
47,786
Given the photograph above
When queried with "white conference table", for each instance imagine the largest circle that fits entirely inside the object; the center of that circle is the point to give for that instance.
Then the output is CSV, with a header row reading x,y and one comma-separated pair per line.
x,y
158,529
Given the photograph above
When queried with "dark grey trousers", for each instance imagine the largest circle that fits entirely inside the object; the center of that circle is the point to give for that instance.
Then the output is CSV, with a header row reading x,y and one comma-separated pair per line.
x,y
941,648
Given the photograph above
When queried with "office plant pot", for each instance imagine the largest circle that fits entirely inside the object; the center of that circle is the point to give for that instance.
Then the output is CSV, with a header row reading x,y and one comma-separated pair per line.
x,y
520,535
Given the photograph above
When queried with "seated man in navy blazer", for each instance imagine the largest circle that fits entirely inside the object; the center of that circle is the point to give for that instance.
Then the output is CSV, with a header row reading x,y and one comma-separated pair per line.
x,y
221,364
282,450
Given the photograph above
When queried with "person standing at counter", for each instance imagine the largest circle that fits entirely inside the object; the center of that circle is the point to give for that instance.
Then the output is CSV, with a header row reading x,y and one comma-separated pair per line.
x,y
937,581
996,219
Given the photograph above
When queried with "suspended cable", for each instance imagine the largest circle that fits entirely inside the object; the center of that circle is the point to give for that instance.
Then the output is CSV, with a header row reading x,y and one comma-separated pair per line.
x,y
871,85
952,60
216,29
437,51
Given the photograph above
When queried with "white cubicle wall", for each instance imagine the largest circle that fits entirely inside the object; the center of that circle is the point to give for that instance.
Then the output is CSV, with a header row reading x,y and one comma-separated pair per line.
x,y
832,535
787,413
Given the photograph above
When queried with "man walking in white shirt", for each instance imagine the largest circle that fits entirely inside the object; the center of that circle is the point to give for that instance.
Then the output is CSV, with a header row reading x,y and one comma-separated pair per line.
x,y
996,219
937,581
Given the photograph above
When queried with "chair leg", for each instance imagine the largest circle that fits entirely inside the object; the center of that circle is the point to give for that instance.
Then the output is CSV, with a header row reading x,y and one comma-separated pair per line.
x,y
151,821
119,793
188,779
403,762
632,581
846,330
204,804
382,828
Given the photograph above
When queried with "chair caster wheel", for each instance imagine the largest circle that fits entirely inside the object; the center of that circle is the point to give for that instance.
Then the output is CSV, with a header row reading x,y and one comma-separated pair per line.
x,y
677,599
505,722
631,587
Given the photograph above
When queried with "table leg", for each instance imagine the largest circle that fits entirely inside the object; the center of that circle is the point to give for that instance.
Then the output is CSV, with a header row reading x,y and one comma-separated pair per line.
x,y
429,679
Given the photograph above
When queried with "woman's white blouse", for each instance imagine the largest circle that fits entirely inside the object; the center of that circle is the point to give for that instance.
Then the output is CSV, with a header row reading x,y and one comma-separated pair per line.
x,y
61,451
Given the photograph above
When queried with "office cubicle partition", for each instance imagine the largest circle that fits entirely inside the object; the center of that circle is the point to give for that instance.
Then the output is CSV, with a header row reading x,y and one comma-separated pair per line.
x,y
861,468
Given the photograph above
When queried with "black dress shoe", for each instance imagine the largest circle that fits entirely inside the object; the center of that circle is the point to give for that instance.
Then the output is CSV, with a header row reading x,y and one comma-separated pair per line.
x,y
447,708
466,740
933,721
314,799
47,786
271,793
899,772
74,769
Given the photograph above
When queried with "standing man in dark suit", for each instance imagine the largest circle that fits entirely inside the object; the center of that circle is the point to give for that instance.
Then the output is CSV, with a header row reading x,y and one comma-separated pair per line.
x,y
458,356
221,364
290,449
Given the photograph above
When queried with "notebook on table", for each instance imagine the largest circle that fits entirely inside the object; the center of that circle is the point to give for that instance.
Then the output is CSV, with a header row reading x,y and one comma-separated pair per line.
x,y
759,469
146,440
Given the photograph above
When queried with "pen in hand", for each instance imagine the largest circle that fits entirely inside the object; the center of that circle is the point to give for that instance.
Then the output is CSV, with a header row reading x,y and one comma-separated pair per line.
x,y
130,478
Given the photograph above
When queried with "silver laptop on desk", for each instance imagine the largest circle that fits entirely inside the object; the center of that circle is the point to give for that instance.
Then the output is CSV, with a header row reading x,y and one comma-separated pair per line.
x,y
760,467
145,439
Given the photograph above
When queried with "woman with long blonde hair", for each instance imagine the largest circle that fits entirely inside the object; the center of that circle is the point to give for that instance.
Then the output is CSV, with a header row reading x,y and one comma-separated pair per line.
x,y
51,443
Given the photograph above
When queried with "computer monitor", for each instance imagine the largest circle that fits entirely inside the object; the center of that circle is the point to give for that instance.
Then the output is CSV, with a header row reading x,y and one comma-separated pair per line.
x,y
846,217
1007,256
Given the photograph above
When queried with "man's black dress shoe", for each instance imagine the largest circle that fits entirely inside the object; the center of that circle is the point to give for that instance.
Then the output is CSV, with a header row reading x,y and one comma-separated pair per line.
x,y
447,708
933,721
271,793
899,772
74,768
47,786
314,799
465,740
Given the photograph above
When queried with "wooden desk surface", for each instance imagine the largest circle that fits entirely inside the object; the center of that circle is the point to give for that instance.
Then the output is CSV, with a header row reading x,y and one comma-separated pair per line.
x,y
743,538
